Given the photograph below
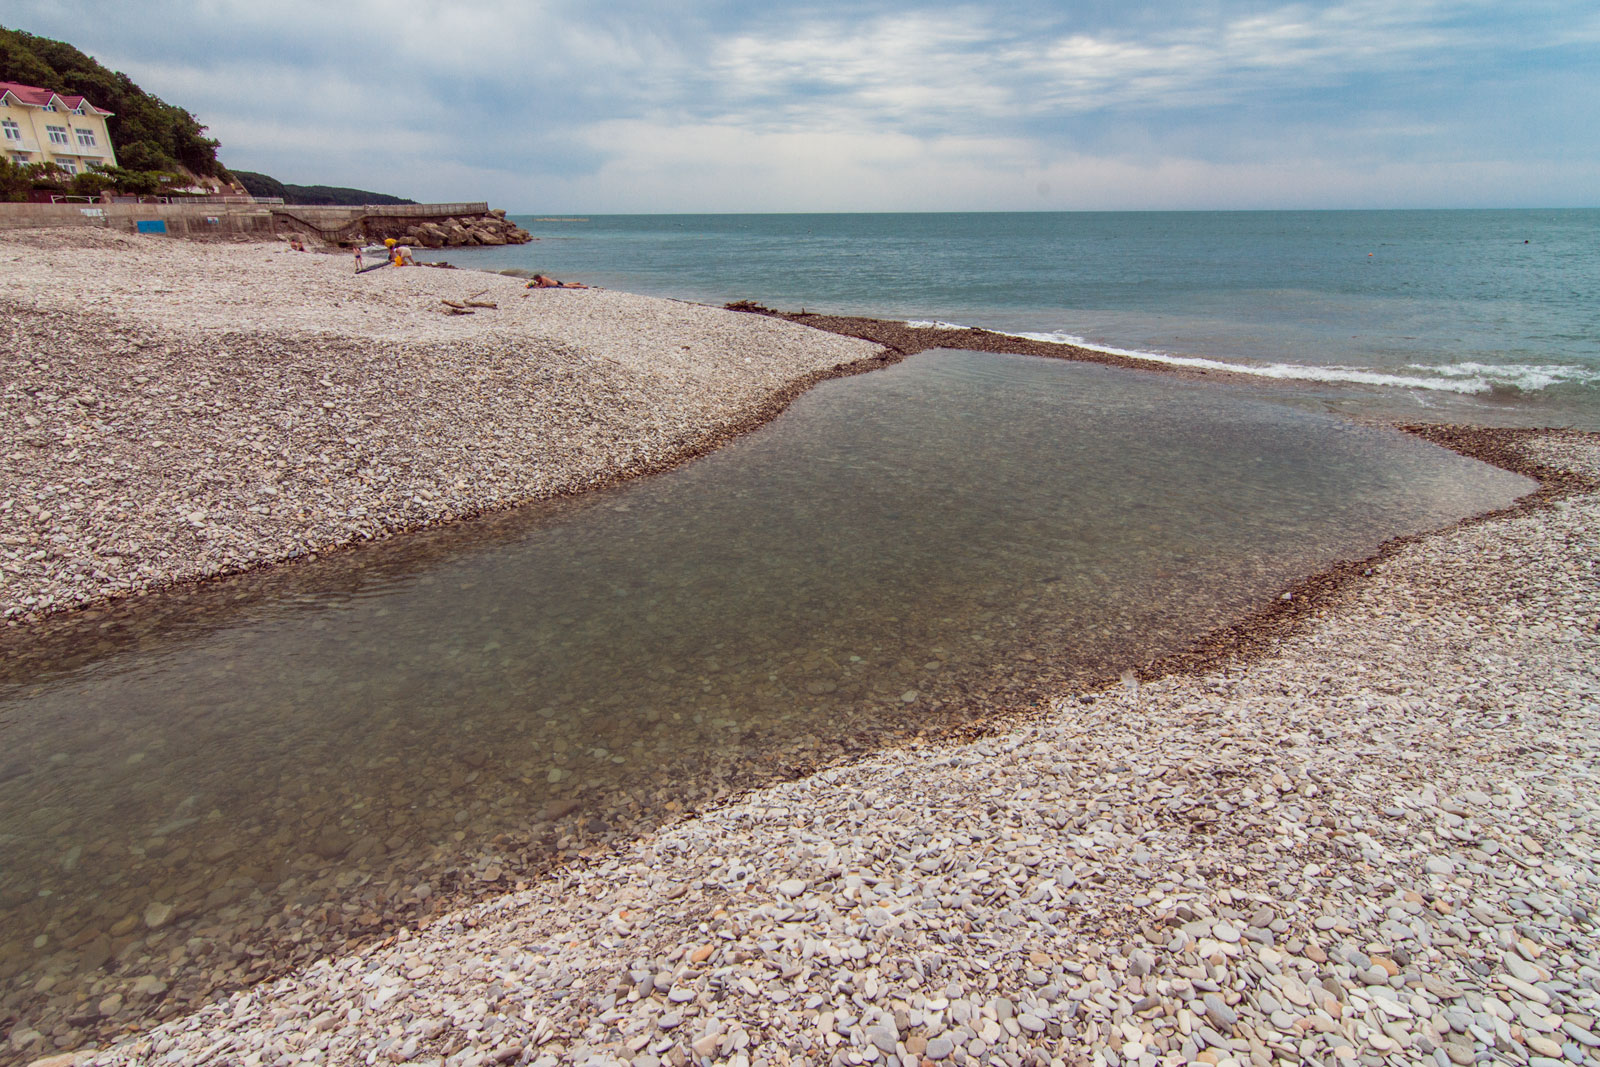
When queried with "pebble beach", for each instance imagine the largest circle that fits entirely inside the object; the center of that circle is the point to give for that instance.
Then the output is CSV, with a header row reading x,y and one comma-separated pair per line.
x,y
1370,839
1373,843
173,411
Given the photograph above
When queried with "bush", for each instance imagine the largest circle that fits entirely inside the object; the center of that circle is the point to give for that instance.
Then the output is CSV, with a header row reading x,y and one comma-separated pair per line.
x,y
14,181
47,177
92,183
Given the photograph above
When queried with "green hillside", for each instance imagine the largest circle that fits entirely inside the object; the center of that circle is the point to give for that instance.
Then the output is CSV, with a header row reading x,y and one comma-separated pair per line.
x,y
265,185
147,133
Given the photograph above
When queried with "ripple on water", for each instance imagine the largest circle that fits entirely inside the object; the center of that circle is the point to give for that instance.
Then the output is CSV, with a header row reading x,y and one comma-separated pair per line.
x,y
205,786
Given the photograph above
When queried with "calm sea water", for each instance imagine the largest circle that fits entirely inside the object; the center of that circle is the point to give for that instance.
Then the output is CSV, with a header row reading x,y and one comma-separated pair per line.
x,y
1487,316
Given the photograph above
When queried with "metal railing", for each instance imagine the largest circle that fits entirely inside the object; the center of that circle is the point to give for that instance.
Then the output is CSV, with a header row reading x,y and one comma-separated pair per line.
x,y
405,210
180,200
227,199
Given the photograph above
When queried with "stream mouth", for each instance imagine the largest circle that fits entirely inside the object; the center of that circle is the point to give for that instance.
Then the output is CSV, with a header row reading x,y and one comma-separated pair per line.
x,y
211,785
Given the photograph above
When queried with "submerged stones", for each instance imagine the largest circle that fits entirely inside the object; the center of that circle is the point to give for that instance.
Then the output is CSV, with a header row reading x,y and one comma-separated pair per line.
x,y
1128,880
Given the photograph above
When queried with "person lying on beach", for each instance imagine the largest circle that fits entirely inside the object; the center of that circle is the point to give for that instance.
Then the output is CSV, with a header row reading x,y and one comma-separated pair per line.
x,y
544,281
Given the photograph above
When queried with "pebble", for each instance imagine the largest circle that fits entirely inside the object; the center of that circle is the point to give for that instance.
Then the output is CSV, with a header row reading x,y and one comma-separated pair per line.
x,y
180,327
1084,883
884,1036
1222,1017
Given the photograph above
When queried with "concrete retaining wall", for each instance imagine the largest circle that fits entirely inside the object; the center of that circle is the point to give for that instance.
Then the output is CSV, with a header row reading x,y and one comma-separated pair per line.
x,y
200,220
183,220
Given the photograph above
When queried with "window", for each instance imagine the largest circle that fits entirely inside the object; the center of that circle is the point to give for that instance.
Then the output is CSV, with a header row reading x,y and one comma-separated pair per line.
x,y
13,131
85,138
58,134
49,107
78,110
70,166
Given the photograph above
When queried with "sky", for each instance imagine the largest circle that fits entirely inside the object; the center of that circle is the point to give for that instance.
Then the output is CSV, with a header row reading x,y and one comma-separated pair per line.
x,y
869,105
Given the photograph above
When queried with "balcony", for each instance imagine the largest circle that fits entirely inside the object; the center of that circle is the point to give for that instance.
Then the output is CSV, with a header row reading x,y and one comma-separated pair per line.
x,y
18,144
98,151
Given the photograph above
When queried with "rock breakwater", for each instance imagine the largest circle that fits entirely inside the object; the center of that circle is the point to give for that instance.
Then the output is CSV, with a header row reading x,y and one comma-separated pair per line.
x,y
491,229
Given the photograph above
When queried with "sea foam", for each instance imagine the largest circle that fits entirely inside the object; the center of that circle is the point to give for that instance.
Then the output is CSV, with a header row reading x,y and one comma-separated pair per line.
x,y
1467,377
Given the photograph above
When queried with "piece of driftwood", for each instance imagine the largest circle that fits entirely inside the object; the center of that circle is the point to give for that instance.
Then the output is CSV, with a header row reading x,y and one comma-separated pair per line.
x,y
480,304
452,304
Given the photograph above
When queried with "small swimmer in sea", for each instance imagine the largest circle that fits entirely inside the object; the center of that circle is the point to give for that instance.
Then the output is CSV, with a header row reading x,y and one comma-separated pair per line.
x,y
544,281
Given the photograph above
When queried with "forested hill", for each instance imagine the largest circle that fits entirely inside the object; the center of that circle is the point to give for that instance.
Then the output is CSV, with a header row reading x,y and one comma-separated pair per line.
x,y
147,133
265,185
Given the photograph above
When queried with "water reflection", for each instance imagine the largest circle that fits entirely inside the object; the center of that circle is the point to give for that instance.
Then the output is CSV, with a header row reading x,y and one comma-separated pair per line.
x,y
201,788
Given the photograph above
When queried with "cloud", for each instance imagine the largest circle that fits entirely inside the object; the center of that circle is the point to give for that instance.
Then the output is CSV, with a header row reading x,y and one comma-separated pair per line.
x,y
711,104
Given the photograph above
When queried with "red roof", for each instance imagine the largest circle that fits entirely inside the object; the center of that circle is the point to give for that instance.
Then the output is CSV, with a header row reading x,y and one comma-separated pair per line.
x,y
32,94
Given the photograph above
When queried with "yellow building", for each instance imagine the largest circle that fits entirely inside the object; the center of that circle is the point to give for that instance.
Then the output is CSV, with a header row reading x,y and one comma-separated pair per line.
x,y
43,126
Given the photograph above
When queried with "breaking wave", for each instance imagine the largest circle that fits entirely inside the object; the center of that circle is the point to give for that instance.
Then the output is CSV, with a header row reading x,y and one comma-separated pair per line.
x,y
1468,378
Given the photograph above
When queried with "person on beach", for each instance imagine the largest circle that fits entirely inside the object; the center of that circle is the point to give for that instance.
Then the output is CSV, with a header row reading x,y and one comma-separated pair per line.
x,y
360,260
544,281
399,254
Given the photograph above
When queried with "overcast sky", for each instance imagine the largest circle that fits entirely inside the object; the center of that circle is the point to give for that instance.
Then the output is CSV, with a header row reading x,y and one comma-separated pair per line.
x,y
864,105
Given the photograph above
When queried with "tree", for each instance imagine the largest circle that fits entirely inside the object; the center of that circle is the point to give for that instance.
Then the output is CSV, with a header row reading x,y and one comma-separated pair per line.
x,y
14,181
159,136
142,155
47,176
92,183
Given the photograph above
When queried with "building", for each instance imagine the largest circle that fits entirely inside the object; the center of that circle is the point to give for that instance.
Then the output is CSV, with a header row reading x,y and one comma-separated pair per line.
x,y
43,126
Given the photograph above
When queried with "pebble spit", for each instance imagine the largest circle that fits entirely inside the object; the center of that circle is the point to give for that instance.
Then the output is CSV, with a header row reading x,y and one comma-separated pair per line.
x,y
171,411
1373,842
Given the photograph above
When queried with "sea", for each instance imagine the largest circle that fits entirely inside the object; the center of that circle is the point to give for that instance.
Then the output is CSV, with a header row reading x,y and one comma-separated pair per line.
x,y
1481,316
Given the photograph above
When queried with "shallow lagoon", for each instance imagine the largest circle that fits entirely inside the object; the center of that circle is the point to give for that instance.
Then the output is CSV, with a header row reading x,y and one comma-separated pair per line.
x,y
201,787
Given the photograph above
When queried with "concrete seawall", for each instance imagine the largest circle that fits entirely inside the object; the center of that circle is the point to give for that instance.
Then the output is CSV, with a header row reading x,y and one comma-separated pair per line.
x,y
335,224
182,220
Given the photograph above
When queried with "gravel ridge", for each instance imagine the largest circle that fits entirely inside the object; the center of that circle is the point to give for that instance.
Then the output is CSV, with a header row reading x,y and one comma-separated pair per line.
x,y
1371,842
171,411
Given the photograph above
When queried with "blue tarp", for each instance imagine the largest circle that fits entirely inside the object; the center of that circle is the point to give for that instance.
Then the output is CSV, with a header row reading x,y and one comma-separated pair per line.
x,y
151,225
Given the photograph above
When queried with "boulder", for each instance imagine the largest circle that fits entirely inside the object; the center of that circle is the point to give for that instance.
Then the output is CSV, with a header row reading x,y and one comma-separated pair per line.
x,y
431,235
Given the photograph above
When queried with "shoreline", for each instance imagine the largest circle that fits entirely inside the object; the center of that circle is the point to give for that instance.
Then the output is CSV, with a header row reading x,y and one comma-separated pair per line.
x,y
317,409
1237,646
892,341
907,340
1197,946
